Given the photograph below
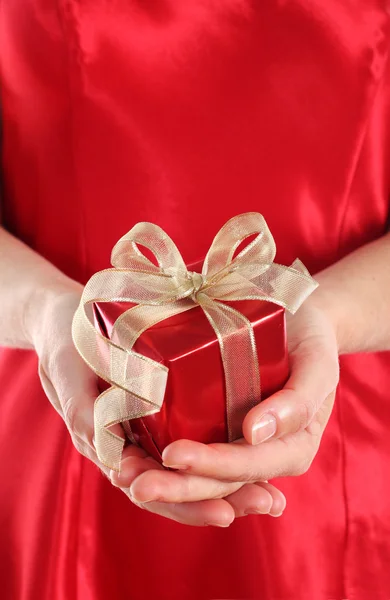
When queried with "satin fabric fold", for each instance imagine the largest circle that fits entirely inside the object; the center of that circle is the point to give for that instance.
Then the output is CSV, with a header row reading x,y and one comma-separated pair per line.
x,y
166,111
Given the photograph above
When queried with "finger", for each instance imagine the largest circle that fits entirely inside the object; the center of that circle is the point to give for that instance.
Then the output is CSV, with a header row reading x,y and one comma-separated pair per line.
x,y
69,383
86,450
166,486
135,461
279,501
314,375
71,388
217,513
76,388
244,462
257,499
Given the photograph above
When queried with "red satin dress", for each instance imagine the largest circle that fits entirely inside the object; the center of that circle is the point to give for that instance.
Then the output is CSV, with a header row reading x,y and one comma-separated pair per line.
x,y
185,113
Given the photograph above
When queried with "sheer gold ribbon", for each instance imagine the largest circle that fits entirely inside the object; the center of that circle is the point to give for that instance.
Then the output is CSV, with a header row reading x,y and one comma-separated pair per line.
x,y
159,292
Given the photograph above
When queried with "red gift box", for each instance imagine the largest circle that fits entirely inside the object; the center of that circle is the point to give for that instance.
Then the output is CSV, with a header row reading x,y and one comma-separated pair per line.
x,y
194,404
183,363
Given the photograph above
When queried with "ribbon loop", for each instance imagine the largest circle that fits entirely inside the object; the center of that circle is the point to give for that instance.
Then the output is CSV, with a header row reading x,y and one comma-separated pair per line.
x,y
253,259
165,289
127,254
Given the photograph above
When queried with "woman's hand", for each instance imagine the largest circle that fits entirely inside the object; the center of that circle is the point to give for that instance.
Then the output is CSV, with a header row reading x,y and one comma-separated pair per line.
x,y
67,381
72,389
282,434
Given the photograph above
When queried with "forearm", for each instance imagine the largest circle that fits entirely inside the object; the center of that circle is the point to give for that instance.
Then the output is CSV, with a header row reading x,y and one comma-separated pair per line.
x,y
26,283
355,293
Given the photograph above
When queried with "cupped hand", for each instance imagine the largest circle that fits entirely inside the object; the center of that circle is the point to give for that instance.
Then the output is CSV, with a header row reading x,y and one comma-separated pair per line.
x,y
281,435
72,389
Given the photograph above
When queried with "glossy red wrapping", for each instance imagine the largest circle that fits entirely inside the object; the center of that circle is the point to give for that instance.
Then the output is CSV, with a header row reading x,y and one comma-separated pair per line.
x,y
194,405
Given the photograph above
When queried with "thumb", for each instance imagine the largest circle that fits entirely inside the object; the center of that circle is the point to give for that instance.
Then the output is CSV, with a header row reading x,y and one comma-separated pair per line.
x,y
314,376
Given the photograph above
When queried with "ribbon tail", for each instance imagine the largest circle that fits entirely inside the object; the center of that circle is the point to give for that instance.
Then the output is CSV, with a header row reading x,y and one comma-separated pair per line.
x,y
290,285
109,446
126,331
286,286
112,407
240,362
133,375
100,354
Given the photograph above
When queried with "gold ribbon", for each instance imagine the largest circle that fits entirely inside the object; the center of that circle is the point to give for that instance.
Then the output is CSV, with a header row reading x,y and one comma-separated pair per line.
x,y
159,292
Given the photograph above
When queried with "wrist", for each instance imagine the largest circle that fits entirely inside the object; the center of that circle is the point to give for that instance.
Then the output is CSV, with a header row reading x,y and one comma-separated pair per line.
x,y
325,299
44,303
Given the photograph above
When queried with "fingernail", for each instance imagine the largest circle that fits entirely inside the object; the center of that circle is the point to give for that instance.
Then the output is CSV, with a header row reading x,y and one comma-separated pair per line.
x,y
114,478
254,511
277,515
264,429
218,524
137,501
178,467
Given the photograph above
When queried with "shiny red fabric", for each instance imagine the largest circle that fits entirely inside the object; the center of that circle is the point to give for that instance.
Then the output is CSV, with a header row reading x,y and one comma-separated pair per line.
x,y
195,406
185,114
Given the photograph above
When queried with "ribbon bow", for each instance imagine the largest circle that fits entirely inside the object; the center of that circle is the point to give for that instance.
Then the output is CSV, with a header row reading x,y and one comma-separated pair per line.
x,y
159,292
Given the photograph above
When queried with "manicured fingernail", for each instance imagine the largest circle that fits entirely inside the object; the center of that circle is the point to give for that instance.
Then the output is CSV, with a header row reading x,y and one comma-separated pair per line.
x,y
277,515
178,467
264,429
218,524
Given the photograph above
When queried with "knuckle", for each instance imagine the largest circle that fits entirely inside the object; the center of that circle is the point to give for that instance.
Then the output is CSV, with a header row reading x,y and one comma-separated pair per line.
x,y
55,358
251,475
86,451
191,488
70,414
222,489
76,418
49,389
332,373
186,487
306,411
79,445
335,378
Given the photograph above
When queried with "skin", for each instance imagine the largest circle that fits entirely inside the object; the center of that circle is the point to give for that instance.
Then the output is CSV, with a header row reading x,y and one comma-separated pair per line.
x,y
213,484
